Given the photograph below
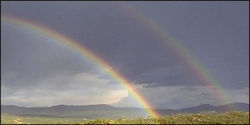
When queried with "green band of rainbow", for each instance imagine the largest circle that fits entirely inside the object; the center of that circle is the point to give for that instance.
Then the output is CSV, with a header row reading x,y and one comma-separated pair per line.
x,y
86,53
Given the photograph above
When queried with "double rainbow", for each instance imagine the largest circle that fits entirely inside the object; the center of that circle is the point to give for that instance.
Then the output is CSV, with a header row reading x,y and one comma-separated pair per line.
x,y
180,50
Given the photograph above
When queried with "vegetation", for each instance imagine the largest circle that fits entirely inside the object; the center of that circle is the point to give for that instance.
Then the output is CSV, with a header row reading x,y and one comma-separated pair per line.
x,y
203,118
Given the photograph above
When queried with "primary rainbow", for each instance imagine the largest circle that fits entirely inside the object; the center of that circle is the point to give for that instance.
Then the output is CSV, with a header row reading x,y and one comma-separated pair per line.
x,y
86,53
203,73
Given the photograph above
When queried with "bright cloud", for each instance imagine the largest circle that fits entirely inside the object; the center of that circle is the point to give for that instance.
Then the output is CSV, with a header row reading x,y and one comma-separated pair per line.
x,y
82,89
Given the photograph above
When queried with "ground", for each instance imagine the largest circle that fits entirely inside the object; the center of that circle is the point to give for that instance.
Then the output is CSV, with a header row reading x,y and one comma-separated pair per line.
x,y
209,118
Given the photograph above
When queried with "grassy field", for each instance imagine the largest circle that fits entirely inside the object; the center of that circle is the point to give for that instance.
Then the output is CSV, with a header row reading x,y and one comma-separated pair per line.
x,y
203,118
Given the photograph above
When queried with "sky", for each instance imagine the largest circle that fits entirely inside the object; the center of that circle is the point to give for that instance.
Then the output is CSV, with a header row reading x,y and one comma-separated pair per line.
x,y
37,71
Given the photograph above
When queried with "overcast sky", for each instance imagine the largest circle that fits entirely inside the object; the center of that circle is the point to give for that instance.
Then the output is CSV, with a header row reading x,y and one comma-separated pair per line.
x,y
35,71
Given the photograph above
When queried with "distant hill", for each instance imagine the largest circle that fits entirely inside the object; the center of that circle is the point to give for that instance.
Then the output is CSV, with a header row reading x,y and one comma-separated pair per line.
x,y
75,111
206,107
235,106
107,111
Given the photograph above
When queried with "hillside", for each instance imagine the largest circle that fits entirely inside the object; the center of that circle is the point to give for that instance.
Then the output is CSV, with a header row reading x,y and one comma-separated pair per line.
x,y
201,118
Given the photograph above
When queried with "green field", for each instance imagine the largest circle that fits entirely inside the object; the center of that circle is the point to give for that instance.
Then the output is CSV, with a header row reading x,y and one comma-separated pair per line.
x,y
203,118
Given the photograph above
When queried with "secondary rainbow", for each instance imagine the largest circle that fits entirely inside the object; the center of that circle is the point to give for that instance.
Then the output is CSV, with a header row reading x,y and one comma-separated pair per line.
x,y
203,73
86,53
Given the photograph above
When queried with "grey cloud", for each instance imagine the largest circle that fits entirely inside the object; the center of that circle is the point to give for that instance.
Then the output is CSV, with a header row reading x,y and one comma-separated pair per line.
x,y
169,76
36,57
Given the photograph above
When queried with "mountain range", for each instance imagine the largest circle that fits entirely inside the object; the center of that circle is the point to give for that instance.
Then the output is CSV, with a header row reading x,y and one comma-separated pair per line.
x,y
107,111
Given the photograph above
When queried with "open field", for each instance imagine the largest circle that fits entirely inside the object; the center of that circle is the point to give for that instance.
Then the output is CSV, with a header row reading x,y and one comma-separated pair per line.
x,y
210,118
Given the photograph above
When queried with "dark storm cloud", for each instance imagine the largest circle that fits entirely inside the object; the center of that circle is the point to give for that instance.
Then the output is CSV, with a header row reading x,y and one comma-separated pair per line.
x,y
28,58
171,76
217,33
210,31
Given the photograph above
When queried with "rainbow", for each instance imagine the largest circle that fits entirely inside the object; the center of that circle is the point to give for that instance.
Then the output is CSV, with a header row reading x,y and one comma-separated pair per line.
x,y
194,65
86,53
